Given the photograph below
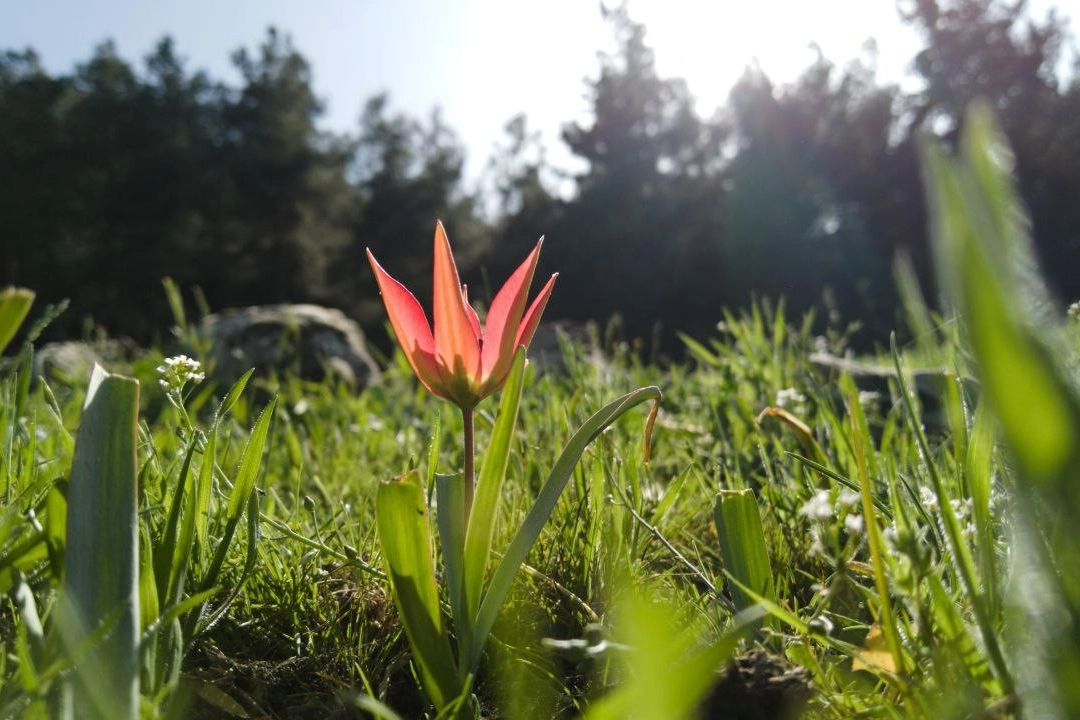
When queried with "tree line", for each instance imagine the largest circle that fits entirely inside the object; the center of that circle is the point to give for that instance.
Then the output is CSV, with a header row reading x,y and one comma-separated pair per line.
x,y
112,177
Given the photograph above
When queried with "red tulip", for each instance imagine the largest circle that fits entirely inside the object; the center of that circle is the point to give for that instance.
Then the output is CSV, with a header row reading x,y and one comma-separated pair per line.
x,y
460,361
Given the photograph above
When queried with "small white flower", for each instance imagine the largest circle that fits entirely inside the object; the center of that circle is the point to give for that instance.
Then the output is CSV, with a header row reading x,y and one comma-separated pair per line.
x,y
818,507
822,625
869,398
962,508
817,547
178,371
928,498
854,525
890,534
1074,310
848,499
790,397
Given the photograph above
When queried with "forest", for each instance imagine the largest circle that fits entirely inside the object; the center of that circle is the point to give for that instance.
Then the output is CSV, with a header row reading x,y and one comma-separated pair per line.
x,y
116,175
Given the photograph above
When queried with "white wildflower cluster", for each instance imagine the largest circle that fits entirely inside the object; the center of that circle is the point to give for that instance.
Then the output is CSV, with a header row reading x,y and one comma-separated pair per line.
x,y
848,499
961,508
891,534
854,525
928,498
819,507
790,399
178,371
830,515
1074,311
869,398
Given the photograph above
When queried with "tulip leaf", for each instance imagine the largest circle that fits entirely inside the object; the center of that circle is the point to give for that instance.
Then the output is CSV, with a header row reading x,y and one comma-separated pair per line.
x,y
401,516
450,500
489,486
101,570
542,508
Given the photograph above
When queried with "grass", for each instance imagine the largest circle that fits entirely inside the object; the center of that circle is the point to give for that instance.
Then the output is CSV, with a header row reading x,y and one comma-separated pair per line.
x,y
312,623
895,553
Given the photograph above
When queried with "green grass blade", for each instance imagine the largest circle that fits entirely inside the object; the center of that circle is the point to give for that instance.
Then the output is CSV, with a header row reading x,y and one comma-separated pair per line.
x,y
248,470
541,510
149,597
988,269
166,551
1017,369
980,476
14,306
232,396
668,677
101,574
250,559
56,530
28,612
200,498
405,538
184,539
250,462
372,706
176,302
742,544
489,485
885,615
434,447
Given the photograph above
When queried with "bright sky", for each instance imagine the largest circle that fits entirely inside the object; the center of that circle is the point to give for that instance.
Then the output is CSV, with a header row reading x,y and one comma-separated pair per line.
x,y
481,61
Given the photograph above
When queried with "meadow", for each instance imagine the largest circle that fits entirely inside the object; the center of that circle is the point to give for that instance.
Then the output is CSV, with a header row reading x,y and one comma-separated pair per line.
x,y
781,538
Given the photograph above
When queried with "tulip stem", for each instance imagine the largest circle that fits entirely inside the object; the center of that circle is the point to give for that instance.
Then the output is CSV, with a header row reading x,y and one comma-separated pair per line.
x,y
467,421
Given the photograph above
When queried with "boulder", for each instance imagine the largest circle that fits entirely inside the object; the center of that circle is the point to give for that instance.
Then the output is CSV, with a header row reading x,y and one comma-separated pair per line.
x,y
71,361
928,384
307,341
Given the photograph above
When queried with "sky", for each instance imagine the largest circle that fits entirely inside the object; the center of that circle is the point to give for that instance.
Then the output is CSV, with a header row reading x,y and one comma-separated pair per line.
x,y
479,61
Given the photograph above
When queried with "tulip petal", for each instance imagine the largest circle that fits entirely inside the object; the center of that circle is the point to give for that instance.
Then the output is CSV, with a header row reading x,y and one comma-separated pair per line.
x,y
411,327
525,333
532,317
501,326
457,346
474,319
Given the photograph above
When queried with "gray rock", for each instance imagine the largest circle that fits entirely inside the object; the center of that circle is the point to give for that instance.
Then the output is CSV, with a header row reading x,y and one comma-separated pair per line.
x,y
72,361
928,384
308,341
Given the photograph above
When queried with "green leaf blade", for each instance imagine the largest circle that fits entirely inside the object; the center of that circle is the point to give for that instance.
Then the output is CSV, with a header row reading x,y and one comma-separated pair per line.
x,y
14,306
102,575
542,508
742,544
489,485
405,538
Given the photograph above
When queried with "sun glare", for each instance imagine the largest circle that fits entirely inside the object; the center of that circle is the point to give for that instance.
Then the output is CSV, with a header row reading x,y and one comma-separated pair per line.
x,y
710,44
